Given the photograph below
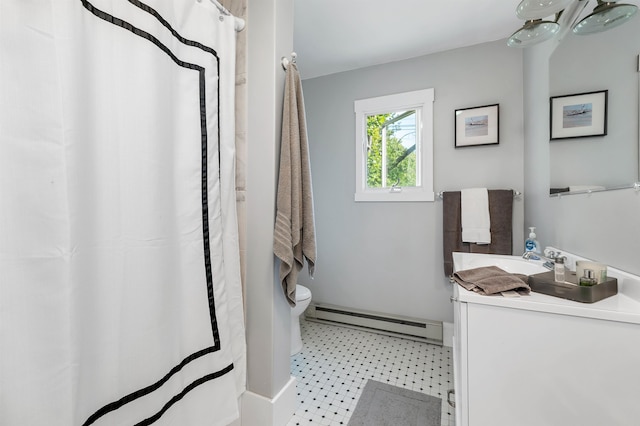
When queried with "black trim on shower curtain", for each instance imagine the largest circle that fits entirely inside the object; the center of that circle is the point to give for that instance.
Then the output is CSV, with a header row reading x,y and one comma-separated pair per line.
x,y
205,213
155,386
203,130
186,390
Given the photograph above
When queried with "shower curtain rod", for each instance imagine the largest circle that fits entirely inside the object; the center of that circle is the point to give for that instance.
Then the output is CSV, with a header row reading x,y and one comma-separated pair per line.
x,y
239,21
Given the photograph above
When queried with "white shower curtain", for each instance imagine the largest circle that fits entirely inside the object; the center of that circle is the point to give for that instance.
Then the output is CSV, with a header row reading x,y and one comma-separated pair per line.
x,y
120,296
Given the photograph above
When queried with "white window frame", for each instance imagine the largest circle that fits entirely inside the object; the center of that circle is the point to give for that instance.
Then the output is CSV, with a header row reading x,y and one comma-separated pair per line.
x,y
422,102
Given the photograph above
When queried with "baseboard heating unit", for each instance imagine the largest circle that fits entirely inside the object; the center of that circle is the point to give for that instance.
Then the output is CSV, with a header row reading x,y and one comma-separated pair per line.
x,y
393,325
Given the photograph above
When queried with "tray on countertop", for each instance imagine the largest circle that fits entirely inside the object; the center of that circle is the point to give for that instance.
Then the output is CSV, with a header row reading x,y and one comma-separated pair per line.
x,y
545,283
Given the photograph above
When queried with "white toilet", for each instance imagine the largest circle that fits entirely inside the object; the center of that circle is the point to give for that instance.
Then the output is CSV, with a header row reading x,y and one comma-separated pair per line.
x,y
303,298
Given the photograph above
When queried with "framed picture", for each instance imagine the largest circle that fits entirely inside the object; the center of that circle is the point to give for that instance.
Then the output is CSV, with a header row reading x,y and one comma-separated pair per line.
x,y
477,126
579,116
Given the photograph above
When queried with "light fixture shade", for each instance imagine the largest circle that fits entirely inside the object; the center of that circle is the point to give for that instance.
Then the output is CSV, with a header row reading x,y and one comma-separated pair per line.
x,y
537,9
533,32
606,15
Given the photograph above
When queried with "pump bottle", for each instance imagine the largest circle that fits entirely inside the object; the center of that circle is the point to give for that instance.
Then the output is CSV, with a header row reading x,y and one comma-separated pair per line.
x,y
531,244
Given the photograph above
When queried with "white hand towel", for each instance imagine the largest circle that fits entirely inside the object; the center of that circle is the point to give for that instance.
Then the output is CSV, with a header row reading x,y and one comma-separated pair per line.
x,y
476,223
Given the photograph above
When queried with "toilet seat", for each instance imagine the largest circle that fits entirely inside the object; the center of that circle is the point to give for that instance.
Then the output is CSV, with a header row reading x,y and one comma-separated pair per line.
x,y
302,293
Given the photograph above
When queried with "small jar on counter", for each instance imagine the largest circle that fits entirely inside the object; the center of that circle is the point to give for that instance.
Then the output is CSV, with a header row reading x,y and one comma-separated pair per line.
x,y
589,278
559,270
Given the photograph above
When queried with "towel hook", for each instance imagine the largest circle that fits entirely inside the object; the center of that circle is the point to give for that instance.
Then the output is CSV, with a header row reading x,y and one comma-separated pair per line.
x,y
285,61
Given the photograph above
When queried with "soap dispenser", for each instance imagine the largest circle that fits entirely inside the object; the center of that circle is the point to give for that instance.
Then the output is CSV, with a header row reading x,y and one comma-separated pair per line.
x,y
531,244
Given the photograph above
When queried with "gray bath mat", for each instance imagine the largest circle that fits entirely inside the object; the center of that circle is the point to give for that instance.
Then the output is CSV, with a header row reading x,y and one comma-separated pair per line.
x,y
385,405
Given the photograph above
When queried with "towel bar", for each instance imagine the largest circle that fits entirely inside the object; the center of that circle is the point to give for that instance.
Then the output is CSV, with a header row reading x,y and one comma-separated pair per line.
x,y
515,194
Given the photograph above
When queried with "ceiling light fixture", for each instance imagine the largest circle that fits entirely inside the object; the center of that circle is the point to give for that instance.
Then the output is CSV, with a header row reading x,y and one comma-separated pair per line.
x,y
536,9
606,15
532,32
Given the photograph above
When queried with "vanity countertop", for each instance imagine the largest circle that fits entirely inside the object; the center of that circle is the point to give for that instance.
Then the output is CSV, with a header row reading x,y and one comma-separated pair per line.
x,y
622,307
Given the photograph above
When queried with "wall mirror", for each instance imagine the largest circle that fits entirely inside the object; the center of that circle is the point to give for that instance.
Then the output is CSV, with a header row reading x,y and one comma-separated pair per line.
x,y
582,64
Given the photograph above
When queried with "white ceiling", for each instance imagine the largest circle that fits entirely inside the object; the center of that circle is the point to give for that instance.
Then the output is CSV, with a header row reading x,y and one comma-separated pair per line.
x,y
338,35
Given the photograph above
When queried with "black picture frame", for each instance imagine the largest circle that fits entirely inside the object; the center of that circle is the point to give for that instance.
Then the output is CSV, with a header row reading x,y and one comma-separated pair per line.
x,y
578,115
477,126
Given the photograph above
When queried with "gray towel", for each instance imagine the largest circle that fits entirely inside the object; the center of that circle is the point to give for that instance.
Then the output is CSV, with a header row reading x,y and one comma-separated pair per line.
x,y
501,214
491,280
452,228
294,234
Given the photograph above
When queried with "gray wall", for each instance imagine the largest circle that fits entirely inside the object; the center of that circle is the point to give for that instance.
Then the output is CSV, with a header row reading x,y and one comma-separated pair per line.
x,y
268,316
603,226
387,257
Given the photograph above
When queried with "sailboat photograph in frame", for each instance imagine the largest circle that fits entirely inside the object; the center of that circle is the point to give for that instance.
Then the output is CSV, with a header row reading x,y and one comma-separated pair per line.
x,y
477,126
579,115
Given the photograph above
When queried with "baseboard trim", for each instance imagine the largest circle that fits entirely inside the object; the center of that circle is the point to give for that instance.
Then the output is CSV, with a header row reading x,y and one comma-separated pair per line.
x,y
258,410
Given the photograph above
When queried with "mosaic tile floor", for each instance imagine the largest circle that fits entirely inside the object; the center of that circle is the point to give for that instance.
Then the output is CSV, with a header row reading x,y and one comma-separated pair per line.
x,y
335,363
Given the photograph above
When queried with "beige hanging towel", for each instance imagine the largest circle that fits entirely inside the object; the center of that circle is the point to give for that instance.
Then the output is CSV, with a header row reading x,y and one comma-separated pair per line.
x,y
294,235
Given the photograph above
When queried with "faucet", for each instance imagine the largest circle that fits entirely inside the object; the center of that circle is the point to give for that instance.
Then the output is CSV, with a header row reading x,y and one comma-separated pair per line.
x,y
550,257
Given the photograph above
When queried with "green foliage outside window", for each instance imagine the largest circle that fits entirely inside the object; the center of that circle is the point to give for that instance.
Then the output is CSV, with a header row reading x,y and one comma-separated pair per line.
x,y
401,160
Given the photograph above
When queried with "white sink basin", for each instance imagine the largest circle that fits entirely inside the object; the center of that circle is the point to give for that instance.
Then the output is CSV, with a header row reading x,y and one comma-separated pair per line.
x,y
511,264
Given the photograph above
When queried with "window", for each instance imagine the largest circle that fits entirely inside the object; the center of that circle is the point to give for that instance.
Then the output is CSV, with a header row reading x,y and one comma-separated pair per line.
x,y
394,147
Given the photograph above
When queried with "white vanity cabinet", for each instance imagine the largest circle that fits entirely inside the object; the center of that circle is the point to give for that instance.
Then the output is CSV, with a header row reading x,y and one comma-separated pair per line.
x,y
538,360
